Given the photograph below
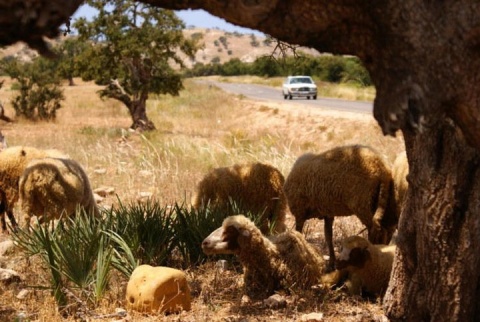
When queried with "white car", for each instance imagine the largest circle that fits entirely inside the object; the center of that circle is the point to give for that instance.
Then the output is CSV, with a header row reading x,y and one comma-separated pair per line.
x,y
299,86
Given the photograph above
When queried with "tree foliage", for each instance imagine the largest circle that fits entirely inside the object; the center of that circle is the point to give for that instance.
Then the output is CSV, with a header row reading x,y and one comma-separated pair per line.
x,y
133,48
38,85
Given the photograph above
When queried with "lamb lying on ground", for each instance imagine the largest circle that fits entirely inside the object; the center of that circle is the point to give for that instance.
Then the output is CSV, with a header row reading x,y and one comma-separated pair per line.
x,y
365,267
52,187
255,188
281,261
13,161
344,181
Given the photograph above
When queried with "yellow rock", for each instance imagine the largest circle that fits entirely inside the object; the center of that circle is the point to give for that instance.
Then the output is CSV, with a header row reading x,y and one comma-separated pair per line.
x,y
158,289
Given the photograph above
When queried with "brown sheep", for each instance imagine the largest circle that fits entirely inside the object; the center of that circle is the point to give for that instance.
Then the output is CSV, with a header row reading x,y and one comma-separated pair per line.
x,y
399,173
52,187
270,263
255,188
13,161
344,181
366,268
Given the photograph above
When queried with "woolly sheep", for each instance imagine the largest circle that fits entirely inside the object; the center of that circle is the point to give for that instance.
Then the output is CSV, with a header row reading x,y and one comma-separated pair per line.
x,y
399,173
50,187
343,181
256,187
13,161
270,263
365,267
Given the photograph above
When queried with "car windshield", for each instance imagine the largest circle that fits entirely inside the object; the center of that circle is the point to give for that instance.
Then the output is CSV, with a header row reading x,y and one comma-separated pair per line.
x,y
301,80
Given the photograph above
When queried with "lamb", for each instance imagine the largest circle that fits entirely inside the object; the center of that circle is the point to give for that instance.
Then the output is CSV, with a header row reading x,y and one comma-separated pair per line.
x,y
343,181
255,188
365,267
281,261
52,187
13,161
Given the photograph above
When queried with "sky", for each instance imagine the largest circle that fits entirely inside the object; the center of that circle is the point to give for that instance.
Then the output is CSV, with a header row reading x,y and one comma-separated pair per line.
x,y
195,18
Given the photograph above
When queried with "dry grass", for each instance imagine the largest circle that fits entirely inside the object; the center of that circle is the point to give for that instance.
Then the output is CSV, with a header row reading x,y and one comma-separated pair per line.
x,y
198,130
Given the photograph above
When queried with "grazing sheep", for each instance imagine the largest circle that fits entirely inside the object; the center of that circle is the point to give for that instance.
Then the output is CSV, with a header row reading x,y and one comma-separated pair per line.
x,y
399,173
365,267
278,262
51,187
255,188
13,161
344,181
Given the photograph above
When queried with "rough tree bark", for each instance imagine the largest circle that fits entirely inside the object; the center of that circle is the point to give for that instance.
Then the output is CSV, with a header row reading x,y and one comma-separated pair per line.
x,y
423,57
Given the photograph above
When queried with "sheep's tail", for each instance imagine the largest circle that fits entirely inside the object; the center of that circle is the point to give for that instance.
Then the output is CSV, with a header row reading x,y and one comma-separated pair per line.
x,y
382,204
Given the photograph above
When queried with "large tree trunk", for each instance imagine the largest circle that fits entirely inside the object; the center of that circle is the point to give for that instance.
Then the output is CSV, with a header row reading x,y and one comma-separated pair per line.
x,y
138,111
437,268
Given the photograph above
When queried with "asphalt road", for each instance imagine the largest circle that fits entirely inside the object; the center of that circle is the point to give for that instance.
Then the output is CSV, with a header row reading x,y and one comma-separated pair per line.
x,y
261,92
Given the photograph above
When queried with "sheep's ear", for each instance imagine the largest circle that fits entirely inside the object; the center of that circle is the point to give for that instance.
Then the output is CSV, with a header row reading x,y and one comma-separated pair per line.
x,y
245,233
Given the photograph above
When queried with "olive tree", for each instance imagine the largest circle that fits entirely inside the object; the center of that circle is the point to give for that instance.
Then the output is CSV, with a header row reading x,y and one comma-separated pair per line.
x,y
133,50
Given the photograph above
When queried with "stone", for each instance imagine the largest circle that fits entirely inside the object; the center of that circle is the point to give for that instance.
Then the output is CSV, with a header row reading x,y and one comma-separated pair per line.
x,y
7,247
276,301
8,276
312,317
154,289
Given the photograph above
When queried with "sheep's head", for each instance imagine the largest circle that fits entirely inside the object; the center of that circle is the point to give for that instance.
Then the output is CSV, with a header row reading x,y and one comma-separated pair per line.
x,y
236,231
354,253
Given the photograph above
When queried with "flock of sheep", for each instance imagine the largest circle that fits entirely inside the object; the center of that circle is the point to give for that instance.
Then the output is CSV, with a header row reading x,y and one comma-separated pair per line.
x,y
344,181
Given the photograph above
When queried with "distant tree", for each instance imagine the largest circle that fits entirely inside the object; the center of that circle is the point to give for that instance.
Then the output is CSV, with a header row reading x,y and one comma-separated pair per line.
x,y
253,41
132,49
215,60
224,41
68,52
38,84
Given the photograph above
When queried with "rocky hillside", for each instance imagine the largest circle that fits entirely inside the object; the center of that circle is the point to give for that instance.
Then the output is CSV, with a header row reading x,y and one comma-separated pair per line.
x,y
218,46
221,46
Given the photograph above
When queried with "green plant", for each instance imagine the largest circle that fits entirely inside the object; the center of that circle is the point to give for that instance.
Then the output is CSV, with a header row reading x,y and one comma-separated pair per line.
x,y
191,227
146,228
76,252
38,85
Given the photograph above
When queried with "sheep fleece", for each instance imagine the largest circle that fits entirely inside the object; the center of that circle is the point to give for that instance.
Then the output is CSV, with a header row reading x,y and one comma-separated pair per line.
x,y
342,181
50,186
13,162
255,187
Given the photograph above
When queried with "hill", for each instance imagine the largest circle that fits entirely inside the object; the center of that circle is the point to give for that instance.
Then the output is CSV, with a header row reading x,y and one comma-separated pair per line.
x,y
218,46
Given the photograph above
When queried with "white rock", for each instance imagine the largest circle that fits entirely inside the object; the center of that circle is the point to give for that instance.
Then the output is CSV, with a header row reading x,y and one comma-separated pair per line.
x,y
6,247
312,317
8,276
276,301
23,294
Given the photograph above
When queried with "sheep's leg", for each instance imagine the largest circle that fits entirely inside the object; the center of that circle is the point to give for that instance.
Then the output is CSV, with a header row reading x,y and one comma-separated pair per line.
x,y
4,223
13,222
328,231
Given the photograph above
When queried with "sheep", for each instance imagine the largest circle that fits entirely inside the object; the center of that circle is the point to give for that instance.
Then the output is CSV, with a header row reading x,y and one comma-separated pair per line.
x,y
13,161
255,188
51,187
365,267
399,172
272,263
343,181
